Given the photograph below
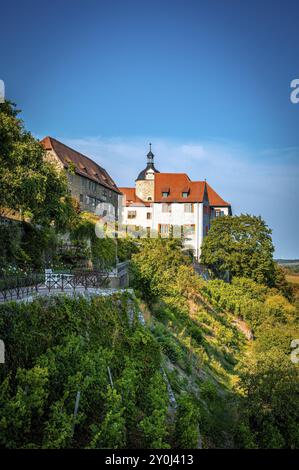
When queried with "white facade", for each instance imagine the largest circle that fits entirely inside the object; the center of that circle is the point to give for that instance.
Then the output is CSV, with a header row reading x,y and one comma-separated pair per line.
x,y
189,217
170,203
137,216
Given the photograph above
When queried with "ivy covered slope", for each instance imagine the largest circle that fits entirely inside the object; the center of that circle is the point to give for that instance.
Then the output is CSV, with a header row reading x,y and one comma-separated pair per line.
x,y
227,346
57,347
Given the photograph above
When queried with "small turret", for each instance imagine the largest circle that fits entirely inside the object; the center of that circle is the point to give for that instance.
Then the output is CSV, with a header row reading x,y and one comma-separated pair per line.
x,y
150,165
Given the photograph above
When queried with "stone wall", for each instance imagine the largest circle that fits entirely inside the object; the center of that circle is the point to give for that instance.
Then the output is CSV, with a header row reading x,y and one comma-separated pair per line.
x,y
87,192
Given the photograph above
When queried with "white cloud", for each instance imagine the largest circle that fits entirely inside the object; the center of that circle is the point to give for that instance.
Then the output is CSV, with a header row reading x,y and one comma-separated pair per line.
x,y
262,182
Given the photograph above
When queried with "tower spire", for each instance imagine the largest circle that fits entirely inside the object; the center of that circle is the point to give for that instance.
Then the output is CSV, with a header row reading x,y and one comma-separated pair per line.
x,y
150,155
150,167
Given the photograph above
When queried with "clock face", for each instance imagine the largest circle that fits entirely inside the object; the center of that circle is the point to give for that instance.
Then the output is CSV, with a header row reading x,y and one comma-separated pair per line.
x,y
149,175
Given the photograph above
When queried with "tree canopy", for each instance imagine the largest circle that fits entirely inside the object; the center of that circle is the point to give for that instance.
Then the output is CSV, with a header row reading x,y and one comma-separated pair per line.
x,y
241,245
29,184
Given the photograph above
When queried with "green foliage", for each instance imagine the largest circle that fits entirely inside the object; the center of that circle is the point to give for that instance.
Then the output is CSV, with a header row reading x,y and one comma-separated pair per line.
x,y
249,300
156,405
59,346
28,182
58,429
234,393
241,393
241,245
126,247
111,433
160,268
187,423
102,252
281,283
270,383
26,247
22,411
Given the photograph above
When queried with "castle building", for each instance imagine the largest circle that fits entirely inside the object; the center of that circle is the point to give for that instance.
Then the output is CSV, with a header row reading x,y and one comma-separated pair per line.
x,y
170,203
88,182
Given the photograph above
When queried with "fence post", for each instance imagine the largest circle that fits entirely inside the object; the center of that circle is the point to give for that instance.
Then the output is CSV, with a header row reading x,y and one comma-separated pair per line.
x,y
110,377
75,412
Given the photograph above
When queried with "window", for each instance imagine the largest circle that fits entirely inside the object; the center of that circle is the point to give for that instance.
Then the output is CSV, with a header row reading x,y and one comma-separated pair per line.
x,y
164,229
184,194
189,230
166,207
148,215
92,186
90,201
188,207
165,193
219,213
81,197
131,214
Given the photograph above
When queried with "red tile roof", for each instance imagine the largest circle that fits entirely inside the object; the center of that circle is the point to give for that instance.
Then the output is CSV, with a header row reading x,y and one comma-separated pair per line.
x,y
177,184
84,166
215,199
131,199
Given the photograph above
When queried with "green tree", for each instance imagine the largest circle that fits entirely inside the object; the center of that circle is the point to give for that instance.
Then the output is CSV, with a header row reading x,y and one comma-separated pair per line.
x,y
161,268
270,406
241,245
29,184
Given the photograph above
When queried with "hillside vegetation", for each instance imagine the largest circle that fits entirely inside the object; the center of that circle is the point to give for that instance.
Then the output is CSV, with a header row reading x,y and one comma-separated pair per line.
x,y
175,362
229,391
246,391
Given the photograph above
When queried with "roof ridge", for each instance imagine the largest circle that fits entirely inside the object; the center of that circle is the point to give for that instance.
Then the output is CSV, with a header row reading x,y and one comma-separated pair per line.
x,y
95,172
77,151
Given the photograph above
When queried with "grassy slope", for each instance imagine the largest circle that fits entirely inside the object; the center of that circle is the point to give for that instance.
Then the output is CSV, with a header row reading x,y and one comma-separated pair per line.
x,y
201,349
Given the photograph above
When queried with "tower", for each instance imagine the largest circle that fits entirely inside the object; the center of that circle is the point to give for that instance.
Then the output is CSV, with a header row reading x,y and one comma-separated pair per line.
x,y
145,182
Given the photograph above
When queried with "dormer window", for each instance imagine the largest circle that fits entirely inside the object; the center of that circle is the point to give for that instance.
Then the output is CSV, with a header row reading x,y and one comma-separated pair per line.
x,y
165,192
185,192
82,167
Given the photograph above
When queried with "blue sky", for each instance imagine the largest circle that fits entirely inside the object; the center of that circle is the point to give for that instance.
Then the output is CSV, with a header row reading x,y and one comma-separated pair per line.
x,y
207,81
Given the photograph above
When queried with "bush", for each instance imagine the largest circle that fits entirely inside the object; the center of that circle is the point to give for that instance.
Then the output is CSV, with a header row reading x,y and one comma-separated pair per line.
x,y
187,423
